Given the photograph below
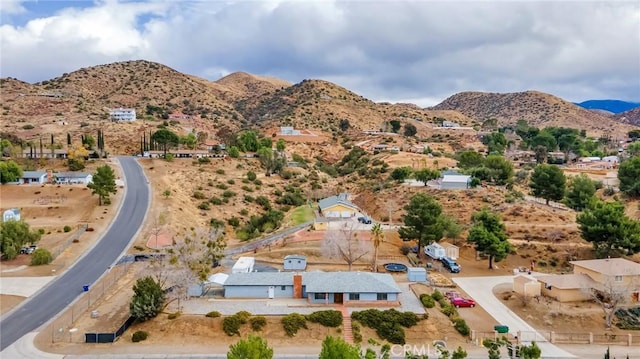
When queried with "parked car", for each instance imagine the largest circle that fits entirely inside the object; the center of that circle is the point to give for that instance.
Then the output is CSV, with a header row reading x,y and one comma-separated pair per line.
x,y
463,302
28,250
365,220
450,264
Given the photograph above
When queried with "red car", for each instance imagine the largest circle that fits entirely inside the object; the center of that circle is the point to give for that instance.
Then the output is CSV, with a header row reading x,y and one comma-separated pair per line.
x,y
463,302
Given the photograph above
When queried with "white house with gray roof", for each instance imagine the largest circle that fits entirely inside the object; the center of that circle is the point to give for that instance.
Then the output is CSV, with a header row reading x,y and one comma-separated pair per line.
x,y
316,287
73,177
33,177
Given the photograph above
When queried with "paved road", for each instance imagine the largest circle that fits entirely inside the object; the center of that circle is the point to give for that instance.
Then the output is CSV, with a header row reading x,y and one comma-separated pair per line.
x,y
40,308
481,290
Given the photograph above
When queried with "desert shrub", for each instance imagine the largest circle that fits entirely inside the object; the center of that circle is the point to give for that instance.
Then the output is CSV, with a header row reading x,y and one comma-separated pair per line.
x,y
222,186
228,194
66,229
609,191
243,315
203,160
139,336
264,202
231,325
448,310
462,327
173,316
233,221
198,195
293,322
328,318
220,171
248,198
392,332
231,181
405,249
357,336
216,223
204,206
388,324
257,182
258,322
251,176
427,301
247,188
27,127
216,200
41,231
437,296
244,212
41,256
213,314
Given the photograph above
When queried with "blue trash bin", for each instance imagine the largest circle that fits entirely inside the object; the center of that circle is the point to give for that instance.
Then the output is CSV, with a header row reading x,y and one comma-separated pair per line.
x,y
85,287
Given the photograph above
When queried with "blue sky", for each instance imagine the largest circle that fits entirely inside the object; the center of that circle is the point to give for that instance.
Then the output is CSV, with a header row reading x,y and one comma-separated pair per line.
x,y
420,52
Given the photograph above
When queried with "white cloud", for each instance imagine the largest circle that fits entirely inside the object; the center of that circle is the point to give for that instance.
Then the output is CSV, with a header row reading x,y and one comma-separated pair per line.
x,y
11,7
395,51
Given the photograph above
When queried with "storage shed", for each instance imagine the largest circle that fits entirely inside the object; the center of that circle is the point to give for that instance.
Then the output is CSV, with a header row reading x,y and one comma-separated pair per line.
x,y
244,265
417,274
295,262
455,182
526,286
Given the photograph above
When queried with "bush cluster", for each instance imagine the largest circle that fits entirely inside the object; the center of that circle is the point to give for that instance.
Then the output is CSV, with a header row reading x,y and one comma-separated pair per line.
x,y
327,318
213,314
258,322
388,324
427,301
294,322
139,336
173,316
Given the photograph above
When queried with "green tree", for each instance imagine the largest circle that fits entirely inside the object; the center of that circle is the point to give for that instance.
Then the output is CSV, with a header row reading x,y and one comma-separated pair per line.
x,y
280,145
148,299
344,125
337,348
9,172
14,235
423,220
488,235
499,170
401,173
376,235
165,138
253,347
580,191
496,143
634,149
103,183
634,134
544,139
608,228
395,125
234,152
190,141
88,142
410,130
452,229
531,351
548,182
5,148
629,177
247,141
470,159
425,175
541,154
459,353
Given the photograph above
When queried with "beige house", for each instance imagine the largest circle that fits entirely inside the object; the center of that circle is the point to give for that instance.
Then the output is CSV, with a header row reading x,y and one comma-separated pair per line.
x,y
338,207
600,274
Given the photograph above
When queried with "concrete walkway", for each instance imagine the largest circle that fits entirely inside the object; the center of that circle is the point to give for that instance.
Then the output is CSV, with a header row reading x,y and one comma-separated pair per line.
x,y
23,286
481,290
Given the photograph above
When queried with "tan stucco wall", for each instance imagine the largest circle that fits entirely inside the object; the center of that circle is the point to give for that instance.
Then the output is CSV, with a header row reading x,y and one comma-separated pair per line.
x,y
566,295
339,208
320,226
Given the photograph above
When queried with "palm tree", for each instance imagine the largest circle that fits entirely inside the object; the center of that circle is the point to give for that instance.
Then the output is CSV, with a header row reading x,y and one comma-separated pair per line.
x,y
376,235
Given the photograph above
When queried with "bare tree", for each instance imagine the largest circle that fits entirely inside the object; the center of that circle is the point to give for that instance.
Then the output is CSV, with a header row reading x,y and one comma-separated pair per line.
x,y
189,262
157,226
344,244
611,295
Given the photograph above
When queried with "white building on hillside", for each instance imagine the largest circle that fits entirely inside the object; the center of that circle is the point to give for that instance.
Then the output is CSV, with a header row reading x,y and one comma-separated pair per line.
x,y
122,114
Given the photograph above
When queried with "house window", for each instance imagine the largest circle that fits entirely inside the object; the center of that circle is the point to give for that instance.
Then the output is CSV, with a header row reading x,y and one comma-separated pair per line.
x,y
354,296
299,262
382,296
283,288
320,295
618,278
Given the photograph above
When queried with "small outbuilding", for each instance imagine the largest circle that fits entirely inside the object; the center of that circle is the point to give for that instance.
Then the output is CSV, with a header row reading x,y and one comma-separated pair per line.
x,y
526,286
295,262
455,182
417,274
33,177
12,214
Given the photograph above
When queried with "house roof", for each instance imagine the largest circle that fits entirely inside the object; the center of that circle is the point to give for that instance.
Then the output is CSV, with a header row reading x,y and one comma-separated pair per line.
x,y
33,174
260,278
567,281
610,266
349,282
295,256
335,200
456,178
72,174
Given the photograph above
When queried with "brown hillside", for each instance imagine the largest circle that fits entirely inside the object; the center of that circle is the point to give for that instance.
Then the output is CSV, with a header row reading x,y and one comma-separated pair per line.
x,y
631,117
242,85
539,109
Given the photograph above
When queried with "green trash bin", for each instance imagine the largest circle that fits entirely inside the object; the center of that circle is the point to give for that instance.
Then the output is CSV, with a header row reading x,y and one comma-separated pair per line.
x,y
502,329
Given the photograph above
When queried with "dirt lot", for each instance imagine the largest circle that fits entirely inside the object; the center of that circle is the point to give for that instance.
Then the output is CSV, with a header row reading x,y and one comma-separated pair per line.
x,y
51,207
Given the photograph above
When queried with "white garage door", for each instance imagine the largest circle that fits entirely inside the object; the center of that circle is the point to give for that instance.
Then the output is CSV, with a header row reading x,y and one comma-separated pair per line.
x,y
345,214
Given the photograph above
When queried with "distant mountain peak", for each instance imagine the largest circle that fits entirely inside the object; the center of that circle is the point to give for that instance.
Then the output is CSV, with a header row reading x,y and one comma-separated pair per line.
x,y
613,106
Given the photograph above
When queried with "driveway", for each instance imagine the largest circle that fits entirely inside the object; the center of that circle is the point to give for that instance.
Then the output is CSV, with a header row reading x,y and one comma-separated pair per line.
x,y
481,290
23,286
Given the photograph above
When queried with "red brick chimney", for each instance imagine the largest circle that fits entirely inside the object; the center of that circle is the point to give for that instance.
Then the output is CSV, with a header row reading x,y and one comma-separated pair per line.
x,y
297,286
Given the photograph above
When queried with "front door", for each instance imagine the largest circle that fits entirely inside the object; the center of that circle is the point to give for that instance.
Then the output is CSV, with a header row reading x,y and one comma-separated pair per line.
x,y
272,292
337,298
